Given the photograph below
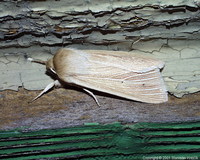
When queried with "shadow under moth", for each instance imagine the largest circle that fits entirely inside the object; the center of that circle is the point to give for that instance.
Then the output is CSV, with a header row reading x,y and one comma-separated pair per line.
x,y
115,72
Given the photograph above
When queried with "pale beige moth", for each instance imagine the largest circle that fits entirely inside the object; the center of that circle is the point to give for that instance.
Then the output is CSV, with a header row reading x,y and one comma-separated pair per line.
x,y
115,72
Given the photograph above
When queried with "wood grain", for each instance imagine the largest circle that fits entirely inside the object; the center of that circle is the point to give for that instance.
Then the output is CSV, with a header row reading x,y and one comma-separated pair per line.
x,y
69,107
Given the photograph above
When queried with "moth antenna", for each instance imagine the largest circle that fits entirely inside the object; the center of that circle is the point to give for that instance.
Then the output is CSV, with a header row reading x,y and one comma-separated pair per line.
x,y
90,93
36,61
47,88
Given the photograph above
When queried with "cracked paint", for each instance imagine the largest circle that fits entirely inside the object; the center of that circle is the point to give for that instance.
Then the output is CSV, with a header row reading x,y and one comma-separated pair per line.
x,y
182,66
167,30
17,72
181,72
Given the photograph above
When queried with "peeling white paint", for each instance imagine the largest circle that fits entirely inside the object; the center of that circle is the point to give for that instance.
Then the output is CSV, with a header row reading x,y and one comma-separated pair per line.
x,y
95,25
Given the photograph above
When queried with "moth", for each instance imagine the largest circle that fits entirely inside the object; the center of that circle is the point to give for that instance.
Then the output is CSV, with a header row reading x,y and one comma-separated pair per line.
x,y
114,72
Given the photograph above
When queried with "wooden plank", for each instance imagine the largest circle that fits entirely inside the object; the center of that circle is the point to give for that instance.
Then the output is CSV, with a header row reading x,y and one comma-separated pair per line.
x,y
67,107
111,141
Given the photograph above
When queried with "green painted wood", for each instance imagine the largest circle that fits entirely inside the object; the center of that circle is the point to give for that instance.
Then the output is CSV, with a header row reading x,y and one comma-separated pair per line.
x,y
111,141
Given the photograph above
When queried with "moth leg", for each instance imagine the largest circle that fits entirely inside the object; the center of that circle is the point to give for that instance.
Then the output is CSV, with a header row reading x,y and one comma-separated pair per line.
x,y
47,88
90,93
52,70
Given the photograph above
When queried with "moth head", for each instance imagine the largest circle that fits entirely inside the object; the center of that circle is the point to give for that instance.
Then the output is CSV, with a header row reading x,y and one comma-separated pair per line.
x,y
50,66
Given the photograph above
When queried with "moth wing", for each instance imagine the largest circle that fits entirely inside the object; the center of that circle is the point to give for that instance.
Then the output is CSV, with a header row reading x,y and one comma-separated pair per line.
x,y
118,74
146,87
123,59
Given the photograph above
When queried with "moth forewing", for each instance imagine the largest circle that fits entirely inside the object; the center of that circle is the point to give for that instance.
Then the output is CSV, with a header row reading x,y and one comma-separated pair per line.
x,y
113,72
122,59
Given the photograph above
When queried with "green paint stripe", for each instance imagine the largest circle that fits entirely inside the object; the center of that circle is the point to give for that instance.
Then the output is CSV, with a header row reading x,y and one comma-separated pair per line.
x,y
104,140
91,152
175,140
109,156
180,125
168,156
58,139
170,148
132,148
86,146
80,145
75,130
170,133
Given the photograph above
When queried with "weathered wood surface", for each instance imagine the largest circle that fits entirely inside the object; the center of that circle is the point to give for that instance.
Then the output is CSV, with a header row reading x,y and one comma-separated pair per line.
x,y
61,108
167,30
